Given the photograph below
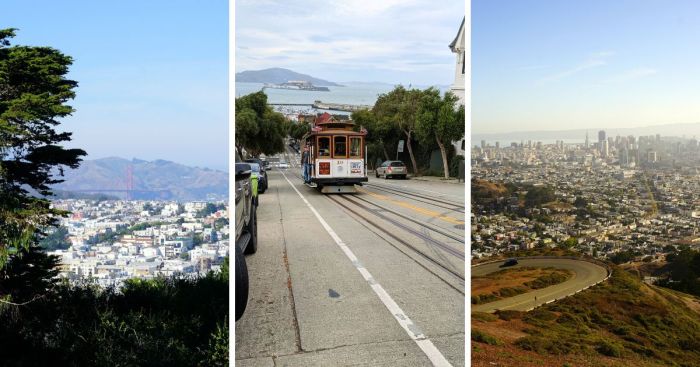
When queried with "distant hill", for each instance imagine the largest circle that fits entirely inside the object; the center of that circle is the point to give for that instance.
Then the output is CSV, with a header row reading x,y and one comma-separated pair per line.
x,y
279,75
158,179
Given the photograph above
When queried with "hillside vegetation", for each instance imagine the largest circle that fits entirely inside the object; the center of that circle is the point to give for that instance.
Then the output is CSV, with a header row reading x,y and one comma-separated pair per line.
x,y
615,323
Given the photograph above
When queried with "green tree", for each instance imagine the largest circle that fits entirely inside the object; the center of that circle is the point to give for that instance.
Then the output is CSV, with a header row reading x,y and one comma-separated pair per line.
x,y
438,120
380,133
56,240
399,108
258,128
34,92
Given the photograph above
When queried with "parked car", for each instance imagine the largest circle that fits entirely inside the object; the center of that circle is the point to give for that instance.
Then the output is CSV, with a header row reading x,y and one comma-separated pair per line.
x,y
256,160
391,169
283,165
246,233
510,262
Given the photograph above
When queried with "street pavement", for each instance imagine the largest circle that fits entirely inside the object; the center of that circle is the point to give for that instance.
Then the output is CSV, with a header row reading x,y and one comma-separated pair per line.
x,y
585,274
310,304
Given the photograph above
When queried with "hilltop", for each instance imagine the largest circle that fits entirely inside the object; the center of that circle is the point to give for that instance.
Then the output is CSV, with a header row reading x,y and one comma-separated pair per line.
x,y
621,322
159,179
280,75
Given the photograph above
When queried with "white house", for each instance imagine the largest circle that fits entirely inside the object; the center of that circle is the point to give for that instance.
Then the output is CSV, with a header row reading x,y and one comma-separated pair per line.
x,y
458,48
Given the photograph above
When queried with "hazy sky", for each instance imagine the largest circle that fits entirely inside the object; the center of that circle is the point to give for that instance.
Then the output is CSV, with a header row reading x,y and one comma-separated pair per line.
x,y
392,41
559,65
152,74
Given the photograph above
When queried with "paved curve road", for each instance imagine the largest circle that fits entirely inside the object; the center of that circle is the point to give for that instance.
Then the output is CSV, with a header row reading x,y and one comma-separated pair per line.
x,y
585,274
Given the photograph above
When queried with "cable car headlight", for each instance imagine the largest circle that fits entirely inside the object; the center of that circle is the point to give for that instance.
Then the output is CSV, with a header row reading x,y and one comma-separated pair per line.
x,y
324,168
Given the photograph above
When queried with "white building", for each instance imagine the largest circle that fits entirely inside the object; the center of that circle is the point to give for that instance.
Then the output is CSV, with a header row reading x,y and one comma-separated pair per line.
x,y
457,46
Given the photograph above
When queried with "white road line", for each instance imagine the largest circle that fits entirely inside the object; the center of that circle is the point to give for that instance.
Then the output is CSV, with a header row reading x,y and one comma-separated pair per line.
x,y
411,329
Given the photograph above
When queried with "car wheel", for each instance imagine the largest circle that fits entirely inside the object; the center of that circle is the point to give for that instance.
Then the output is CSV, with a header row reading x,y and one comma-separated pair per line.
x,y
376,174
403,177
241,283
253,230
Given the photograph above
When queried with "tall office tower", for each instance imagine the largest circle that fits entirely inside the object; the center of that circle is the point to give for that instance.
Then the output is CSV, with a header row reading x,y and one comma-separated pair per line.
x,y
625,158
483,144
498,145
586,145
651,156
601,136
605,149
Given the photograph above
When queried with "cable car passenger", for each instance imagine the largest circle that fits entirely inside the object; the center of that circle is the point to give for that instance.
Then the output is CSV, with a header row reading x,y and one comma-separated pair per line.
x,y
305,164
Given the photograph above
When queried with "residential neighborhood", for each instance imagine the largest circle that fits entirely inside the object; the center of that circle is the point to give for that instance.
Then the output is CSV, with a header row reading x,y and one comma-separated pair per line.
x,y
114,240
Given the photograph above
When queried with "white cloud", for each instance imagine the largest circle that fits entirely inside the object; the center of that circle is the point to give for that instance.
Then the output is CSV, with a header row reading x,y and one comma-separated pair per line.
x,y
344,37
593,61
632,74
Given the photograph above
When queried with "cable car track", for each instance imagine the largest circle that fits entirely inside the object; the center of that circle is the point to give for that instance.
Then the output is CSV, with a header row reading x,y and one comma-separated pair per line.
x,y
412,195
456,253
422,224
431,259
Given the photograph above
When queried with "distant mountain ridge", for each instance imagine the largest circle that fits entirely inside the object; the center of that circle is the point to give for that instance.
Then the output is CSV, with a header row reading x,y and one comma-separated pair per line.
x,y
278,76
152,180
677,130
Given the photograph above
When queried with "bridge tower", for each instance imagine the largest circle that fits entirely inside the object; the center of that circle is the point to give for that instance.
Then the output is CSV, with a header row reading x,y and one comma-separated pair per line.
x,y
129,181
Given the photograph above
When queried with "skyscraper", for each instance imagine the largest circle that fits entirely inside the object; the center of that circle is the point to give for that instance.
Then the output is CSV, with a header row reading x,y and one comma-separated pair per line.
x,y
601,136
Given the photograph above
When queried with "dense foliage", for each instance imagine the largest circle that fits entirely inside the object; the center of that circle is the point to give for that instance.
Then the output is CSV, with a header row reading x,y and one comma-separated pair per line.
x,y
159,322
56,240
683,271
34,92
258,128
423,119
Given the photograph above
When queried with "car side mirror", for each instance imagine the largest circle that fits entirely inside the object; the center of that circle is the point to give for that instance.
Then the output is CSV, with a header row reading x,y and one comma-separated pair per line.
x,y
243,171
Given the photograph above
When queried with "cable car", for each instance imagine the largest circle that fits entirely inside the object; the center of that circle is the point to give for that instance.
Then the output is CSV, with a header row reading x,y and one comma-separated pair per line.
x,y
337,155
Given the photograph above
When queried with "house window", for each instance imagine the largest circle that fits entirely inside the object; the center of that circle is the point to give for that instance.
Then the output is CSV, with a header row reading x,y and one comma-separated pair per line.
x,y
355,147
324,146
340,147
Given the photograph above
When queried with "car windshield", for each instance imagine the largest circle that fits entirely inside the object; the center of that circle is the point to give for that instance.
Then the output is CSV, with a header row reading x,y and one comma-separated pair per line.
x,y
254,167
397,164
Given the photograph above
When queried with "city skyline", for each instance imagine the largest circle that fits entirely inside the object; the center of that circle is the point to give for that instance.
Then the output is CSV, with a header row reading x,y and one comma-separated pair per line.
x,y
545,64
149,75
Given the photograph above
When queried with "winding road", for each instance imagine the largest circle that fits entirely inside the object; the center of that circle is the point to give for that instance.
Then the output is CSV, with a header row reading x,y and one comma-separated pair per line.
x,y
585,274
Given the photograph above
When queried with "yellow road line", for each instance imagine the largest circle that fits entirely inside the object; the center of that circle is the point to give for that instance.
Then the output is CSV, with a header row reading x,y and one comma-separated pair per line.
x,y
426,212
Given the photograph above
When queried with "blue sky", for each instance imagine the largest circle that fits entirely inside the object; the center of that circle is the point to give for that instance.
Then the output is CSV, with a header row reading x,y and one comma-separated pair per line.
x,y
152,74
391,41
559,65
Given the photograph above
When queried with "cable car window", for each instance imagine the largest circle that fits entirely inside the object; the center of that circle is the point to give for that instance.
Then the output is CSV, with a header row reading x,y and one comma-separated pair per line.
x,y
339,147
355,147
324,146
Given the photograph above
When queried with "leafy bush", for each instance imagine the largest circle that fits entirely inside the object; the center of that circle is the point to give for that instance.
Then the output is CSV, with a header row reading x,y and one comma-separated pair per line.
x,y
609,349
481,337
158,322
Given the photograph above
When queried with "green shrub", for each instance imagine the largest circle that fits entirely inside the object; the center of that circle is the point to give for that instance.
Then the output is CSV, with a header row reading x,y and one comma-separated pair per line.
x,y
481,337
508,315
609,349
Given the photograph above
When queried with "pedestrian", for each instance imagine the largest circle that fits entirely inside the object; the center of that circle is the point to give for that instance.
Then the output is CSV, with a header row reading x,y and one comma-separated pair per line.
x,y
305,163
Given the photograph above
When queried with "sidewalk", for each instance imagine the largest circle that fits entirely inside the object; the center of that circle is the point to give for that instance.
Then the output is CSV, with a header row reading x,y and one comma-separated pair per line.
x,y
450,180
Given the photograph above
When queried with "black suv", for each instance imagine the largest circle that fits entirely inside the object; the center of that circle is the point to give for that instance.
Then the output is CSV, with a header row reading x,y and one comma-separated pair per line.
x,y
246,233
